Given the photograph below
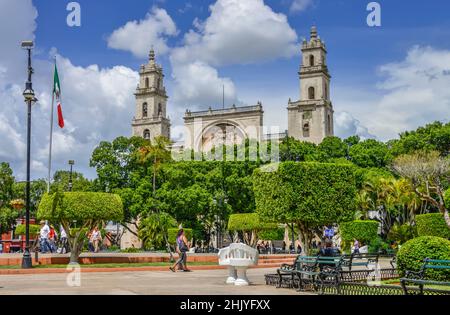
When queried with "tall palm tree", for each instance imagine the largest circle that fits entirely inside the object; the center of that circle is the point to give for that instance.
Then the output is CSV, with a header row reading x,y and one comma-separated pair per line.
x,y
157,153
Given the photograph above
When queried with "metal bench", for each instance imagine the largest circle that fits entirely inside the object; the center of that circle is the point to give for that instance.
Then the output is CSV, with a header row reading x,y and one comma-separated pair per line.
x,y
360,260
418,278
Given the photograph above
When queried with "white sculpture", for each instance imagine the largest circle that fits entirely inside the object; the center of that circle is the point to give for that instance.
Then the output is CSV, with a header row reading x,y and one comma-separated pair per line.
x,y
238,258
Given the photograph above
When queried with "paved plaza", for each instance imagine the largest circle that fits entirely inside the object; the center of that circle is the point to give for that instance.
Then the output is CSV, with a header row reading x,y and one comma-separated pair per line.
x,y
140,283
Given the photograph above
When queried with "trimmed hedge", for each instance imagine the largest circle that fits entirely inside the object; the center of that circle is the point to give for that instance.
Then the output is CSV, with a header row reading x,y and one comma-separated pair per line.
x,y
315,194
363,231
172,234
248,222
432,224
81,206
34,229
272,235
411,256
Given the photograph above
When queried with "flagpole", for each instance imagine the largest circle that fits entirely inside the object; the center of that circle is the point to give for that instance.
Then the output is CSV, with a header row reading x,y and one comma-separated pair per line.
x,y
51,138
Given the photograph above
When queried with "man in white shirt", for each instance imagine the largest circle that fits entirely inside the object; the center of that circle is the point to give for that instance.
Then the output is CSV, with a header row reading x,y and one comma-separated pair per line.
x,y
45,230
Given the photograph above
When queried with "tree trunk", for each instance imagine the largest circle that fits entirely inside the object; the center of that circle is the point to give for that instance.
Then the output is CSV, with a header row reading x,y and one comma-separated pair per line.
x,y
305,235
447,217
75,248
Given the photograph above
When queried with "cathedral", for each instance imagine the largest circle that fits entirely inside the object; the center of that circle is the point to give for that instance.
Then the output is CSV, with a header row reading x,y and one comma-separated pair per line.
x,y
310,118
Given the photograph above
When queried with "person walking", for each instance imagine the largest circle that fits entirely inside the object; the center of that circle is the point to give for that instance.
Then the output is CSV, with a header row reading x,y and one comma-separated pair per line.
x,y
96,238
52,239
182,249
63,242
43,238
356,247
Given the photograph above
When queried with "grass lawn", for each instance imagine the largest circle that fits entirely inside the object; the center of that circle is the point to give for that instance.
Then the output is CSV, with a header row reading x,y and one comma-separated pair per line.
x,y
132,265
435,287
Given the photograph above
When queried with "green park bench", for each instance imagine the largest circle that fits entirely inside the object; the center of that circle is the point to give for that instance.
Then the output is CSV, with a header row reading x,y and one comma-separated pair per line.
x,y
287,272
360,260
418,278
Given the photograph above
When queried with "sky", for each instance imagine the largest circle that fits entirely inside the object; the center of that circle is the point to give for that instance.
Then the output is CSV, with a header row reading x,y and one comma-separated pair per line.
x,y
385,80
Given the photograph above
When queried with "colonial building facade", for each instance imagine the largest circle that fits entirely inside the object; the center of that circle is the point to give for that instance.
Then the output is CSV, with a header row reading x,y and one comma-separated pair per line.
x,y
309,119
150,120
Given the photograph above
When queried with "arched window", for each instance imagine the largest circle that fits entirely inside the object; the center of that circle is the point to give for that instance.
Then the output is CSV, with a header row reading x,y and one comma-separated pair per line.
x,y
159,84
147,134
306,129
311,93
311,60
144,110
326,92
147,83
159,110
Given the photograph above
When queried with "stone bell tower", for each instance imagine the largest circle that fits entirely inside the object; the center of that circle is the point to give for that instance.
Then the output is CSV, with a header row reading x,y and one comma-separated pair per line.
x,y
311,118
150,120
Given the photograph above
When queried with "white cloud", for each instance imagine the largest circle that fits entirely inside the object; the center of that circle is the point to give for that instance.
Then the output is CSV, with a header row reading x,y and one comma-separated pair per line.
x,y
238,32
200,85
412,93
300,5
98,103
139,36
346,126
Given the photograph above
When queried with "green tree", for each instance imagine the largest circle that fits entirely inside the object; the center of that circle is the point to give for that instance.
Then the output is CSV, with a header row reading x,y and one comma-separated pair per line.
x,y
311,195
429,173
6,184
332,148
117,163
79,213
153,230
61,182
250,225
432,137
8,219
294,150
37,189
370,153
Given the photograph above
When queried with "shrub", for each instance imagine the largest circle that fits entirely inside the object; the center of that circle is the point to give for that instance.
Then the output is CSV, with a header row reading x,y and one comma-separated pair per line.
x,y
247,222
432,224
34,230
363,231
402,233
272,235
172,233
411,256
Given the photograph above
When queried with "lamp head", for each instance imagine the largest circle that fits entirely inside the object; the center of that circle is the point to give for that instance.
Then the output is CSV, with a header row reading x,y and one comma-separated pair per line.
x,y
71,162
28,44
29,95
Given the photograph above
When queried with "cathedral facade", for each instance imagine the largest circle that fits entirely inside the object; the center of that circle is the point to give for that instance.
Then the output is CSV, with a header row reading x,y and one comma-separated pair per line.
x,y
310,119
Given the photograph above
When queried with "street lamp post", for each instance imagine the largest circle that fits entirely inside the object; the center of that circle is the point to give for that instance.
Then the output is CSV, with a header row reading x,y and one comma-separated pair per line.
x,y
71,163
30,98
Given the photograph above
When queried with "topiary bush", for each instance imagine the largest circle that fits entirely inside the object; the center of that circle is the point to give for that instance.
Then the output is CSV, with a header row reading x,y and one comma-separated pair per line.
x,y
272,235
411,256
432,224
21,230
363,231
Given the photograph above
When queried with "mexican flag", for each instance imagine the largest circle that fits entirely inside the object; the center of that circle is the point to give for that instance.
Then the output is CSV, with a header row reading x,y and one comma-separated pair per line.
x,y
57,94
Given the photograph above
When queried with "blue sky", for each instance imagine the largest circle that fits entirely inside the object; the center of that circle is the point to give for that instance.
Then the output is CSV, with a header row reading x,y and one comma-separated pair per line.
x,y
386,79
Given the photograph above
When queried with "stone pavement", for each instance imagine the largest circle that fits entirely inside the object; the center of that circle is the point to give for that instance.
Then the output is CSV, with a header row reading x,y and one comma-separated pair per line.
x,y
210,282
